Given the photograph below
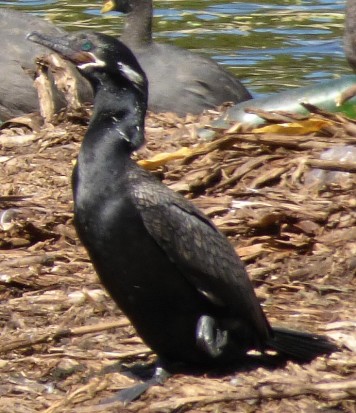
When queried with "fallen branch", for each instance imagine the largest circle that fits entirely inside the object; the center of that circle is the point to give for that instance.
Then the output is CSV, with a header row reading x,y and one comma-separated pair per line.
x,y
332,165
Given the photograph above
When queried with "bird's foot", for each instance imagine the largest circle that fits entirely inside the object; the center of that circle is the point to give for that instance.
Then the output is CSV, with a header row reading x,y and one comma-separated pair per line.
x,y
210,339
132,393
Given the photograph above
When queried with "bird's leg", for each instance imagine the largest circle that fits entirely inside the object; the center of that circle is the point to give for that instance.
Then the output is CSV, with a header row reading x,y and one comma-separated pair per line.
x,y
210,338
132,393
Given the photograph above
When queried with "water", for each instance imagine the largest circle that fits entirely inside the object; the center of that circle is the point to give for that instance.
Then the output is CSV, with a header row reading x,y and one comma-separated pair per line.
x,y
271,45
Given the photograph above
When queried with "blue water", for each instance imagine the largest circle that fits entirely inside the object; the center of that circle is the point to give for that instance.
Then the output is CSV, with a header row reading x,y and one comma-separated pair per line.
x,y
270,45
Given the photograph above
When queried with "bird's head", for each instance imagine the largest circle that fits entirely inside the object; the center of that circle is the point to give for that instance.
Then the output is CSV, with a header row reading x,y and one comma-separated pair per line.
x,y
123,6
96,55
120,85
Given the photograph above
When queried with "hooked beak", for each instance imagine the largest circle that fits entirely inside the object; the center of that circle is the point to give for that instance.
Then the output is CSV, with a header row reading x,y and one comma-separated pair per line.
x,y
62,46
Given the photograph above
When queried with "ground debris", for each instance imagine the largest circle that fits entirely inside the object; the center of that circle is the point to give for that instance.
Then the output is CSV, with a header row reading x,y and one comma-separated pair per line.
x,y
63,342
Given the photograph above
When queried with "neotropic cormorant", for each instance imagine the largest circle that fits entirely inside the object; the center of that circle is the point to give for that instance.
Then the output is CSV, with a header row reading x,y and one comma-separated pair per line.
x,y
179,81
169,269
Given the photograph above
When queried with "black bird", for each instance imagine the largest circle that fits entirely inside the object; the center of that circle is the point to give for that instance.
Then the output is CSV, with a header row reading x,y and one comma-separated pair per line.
x,y
17,63
169,269
179,81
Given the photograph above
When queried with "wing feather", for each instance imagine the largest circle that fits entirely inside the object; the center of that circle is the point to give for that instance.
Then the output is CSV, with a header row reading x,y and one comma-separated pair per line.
x,y
203,254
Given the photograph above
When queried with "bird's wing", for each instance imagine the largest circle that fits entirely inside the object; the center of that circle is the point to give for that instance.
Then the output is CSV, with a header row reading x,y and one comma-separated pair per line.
x,y
203,255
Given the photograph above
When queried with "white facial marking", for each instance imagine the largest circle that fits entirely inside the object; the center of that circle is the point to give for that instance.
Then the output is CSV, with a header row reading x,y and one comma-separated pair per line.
x,y
130,73
97,63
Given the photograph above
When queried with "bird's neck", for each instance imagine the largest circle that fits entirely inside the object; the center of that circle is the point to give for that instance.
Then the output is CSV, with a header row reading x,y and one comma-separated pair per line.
x,y
138,25
115,130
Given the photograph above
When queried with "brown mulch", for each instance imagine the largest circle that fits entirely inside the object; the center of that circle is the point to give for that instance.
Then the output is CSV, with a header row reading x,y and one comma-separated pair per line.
x,y
63,339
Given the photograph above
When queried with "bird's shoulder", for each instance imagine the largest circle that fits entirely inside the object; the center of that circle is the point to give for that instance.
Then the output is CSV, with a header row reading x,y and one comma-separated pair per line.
x,y
179,226
151,195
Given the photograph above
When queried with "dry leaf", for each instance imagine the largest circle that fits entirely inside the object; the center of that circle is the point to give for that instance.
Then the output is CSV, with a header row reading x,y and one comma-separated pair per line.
x,y
302,127
162,158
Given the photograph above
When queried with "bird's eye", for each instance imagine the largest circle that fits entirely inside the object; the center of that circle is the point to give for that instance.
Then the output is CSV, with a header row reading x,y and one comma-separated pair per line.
x,y
87,46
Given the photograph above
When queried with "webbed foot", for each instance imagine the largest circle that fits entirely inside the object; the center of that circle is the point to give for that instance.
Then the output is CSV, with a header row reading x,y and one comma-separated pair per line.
x,y
210,338
132,393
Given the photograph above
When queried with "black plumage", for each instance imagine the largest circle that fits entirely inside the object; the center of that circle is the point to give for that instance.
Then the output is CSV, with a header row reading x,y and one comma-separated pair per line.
x,y
166,265
179,80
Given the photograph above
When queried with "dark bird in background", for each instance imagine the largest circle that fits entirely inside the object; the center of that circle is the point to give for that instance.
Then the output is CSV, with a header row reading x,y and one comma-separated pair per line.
x,y
17,62
349,46
350,33
179,81
169,269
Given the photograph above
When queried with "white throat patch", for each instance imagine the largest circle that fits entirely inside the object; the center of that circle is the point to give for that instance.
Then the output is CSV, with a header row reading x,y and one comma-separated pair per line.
x,y
97,63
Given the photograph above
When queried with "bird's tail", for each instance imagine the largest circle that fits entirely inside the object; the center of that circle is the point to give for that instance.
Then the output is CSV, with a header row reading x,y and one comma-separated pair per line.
x,y
300,346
